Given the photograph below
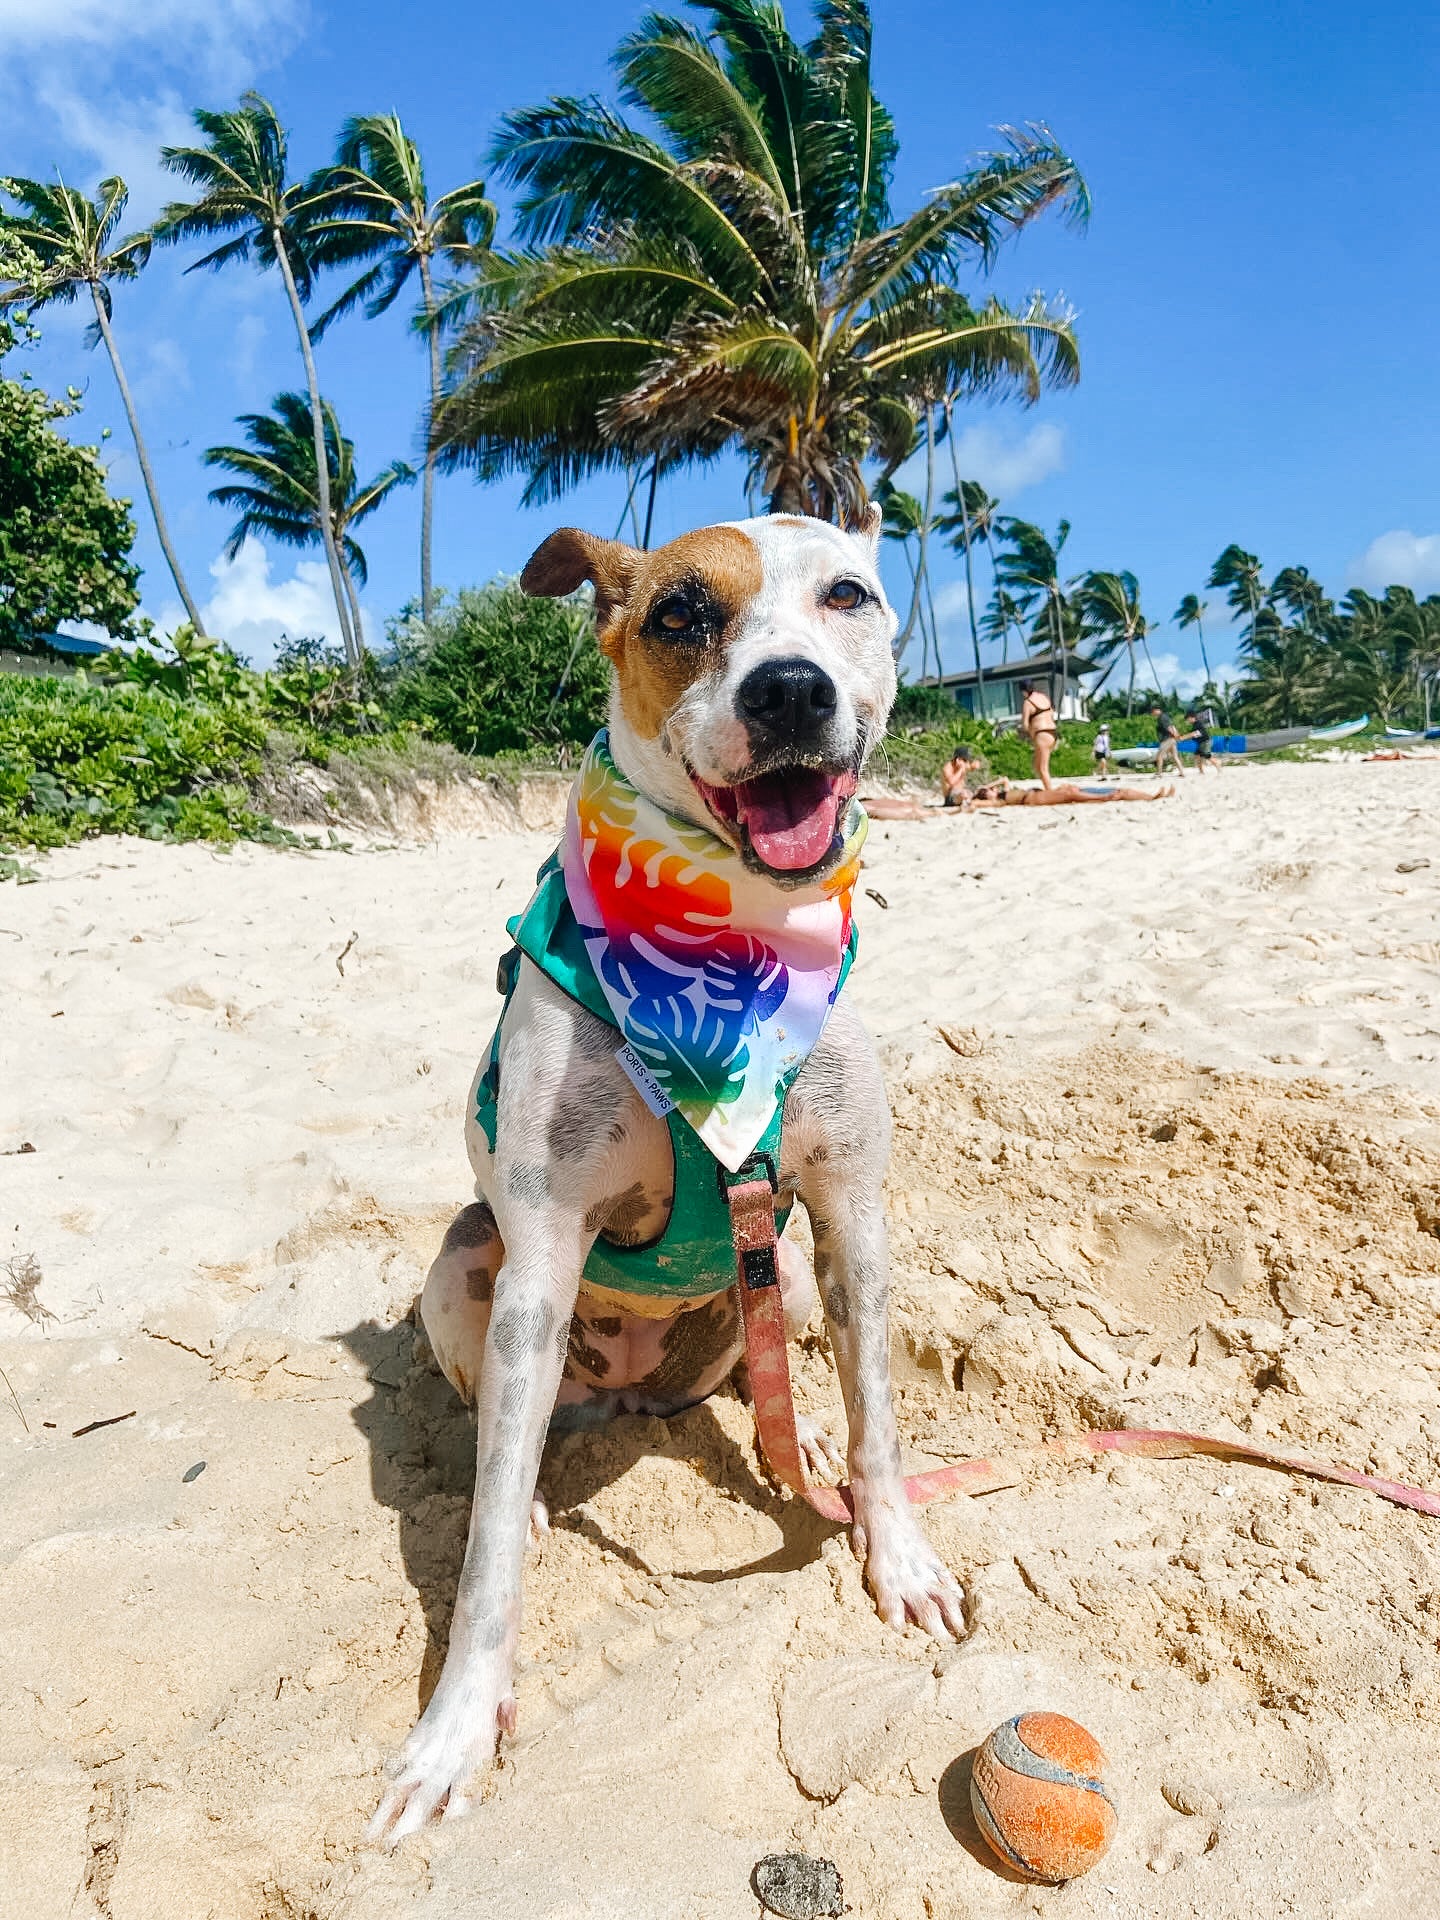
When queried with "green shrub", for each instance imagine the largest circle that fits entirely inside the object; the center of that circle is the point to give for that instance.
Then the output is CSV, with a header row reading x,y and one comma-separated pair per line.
x,y
496,670
77,759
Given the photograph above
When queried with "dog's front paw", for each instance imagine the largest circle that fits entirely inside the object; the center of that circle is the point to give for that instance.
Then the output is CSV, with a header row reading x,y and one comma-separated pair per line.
x,y
437,1770
907,1577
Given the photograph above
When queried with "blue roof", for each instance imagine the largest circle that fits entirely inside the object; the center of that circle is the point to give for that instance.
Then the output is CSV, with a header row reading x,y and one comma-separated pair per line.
x,y
69,643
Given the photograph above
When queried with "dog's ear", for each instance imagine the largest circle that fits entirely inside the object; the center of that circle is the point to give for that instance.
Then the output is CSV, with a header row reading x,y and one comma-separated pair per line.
x,y
867,527
559,564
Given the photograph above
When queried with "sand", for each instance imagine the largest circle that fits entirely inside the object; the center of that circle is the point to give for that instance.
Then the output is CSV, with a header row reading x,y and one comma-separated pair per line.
x,y
1167,1086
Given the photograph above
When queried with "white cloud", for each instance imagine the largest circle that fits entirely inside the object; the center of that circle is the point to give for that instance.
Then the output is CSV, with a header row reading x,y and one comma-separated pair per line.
x,y
1400,559
1187,682
103,84
1005,466
253,612
120,25
1003,461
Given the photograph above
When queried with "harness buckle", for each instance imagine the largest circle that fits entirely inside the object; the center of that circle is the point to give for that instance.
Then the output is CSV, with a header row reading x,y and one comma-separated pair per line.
x,y
750,1168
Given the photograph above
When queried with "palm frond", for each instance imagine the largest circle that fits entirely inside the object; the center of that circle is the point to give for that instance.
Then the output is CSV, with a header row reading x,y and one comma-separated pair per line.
x,y
581,169
768,65
969,218
672,72
842,55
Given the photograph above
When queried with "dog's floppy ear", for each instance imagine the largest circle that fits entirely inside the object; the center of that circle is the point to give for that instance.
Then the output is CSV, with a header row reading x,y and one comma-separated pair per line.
x,y
559,564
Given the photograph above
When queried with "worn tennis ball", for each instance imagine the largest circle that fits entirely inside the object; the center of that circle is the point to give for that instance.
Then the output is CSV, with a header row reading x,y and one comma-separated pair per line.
x,y
1040,1798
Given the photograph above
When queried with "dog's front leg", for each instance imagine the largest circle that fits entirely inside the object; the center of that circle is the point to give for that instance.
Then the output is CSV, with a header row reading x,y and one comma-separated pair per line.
x,y
844,1129
535,1291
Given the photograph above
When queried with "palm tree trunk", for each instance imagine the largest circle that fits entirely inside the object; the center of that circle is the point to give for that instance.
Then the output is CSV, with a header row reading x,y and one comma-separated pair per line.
x,y
102,320
322,463
969,566
354,604
1058,627
1151,664
1204,656
1130,690
427,484
650,503
902,639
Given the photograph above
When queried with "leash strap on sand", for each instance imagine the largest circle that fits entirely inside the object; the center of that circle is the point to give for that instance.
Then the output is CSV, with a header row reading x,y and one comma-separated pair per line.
x,y
752,1230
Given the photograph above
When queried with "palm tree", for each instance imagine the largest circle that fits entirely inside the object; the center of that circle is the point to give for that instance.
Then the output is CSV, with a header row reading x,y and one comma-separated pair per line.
x,y
71,240
1191,612
1109,608
244,191
971,518
1302,596
1378,646
903,520
1032,569
740,281
281,497
1284,672
1238,572
1002,613
378,209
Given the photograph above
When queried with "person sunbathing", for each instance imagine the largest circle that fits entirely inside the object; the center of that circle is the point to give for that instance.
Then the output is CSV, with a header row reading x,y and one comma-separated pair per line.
x,y
999,793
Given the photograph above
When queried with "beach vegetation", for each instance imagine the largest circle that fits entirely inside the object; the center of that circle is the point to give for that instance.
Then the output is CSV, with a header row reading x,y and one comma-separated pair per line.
x,y
495,670
65,539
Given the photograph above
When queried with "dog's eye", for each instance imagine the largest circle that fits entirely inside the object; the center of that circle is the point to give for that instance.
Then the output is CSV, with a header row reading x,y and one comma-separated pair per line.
x,y
674,615
846,595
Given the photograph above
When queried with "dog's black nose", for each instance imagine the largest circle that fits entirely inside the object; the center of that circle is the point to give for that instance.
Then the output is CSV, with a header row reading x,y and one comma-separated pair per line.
x,y
789,699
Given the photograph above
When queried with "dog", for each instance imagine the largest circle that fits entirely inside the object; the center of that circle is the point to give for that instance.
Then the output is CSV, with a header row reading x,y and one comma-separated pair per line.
x,y
752,674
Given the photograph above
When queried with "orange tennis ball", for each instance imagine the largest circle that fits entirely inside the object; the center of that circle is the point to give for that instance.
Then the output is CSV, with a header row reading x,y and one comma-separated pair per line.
x,y
1040,1798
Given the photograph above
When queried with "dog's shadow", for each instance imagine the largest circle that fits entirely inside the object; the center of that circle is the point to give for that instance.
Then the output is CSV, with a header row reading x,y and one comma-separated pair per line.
x,y
421,1439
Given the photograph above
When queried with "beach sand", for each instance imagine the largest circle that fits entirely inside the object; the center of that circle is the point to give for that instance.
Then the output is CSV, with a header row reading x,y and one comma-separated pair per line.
x,y
1167,1090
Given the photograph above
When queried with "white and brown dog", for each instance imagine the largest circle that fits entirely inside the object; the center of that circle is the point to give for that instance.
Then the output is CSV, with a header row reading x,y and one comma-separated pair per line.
x,y
752,675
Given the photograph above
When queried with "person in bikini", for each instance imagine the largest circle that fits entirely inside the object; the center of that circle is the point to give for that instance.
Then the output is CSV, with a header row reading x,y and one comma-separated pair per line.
x,y
1000,793
1037,723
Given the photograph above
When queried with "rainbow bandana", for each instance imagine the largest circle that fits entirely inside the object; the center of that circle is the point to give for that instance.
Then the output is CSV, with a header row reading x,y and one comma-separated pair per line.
x,y
719,981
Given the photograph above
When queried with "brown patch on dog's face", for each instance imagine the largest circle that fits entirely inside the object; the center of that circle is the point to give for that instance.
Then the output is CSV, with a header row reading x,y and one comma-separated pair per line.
x,y
661,617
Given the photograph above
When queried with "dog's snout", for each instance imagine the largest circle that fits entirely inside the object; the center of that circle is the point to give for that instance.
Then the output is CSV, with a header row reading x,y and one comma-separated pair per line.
x,y
790,699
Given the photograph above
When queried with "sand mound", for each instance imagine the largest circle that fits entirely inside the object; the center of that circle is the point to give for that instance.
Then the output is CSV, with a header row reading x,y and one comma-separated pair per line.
x,y
211,1668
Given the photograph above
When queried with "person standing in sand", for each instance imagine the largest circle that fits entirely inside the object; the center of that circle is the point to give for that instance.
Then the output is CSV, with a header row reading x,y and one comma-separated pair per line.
x,y
1167,740
1198,720
1037,723
1101,749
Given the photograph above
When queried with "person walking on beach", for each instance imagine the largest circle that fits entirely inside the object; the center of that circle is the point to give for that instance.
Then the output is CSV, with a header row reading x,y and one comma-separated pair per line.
x,y
1167,736
1101,749
1198,720
1037,723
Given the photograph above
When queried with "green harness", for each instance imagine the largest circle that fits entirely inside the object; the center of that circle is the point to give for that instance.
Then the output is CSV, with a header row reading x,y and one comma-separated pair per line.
x,y
693,1255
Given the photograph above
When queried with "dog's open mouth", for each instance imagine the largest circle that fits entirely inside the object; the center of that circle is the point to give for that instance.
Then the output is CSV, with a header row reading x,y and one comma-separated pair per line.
x,y
790,817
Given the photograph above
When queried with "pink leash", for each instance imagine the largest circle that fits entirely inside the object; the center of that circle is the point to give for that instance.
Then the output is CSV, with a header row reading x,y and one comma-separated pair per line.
x,y
752,1230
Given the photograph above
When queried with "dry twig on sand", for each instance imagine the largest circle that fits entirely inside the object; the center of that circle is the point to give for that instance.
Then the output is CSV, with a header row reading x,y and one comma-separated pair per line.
x,y
22,1288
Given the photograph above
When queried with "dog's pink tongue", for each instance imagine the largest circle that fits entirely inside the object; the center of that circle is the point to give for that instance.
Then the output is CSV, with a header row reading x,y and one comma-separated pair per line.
x,y
791,817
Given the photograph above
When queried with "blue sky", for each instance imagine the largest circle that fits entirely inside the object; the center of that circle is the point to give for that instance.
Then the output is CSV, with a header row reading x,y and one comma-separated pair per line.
x,y
1257,292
